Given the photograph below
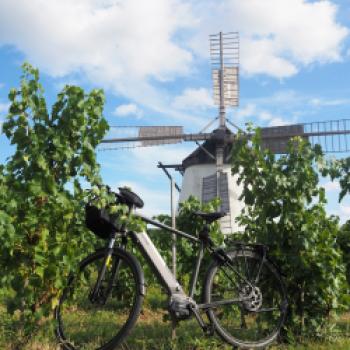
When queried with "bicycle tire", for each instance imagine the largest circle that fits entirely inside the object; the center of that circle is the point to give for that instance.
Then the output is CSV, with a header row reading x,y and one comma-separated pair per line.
x,y
83,324
238,323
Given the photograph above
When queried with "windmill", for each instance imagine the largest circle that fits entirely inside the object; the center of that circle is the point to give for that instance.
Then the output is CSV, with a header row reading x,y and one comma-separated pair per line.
x,y
206,171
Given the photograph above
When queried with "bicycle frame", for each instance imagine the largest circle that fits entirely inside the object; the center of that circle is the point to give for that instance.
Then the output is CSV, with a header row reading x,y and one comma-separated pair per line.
x,y
156,261
163,272
160,268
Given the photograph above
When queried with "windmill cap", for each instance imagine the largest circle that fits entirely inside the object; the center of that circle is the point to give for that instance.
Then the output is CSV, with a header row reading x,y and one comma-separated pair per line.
x,y
200,156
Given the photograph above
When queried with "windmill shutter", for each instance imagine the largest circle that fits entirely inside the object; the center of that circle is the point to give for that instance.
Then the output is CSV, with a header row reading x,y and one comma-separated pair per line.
x,y
225,222
209,188
209,192
224,193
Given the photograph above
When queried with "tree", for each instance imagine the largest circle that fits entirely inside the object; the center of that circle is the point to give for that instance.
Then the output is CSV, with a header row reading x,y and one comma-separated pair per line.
x,y
42,231
285,209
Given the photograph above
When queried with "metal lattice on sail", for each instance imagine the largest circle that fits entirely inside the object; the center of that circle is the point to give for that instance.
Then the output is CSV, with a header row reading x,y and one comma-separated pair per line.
x,y
333,136
224,52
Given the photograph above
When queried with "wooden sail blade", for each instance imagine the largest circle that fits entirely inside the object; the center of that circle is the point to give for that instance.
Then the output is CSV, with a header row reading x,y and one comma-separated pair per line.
x,y
160,131
231,86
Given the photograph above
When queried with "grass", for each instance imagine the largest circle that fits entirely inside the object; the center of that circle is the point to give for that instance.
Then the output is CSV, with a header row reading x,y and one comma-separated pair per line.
x,y
152,332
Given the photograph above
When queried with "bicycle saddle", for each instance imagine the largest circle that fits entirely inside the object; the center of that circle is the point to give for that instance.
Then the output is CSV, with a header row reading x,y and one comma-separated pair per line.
x,y
130,198
211,217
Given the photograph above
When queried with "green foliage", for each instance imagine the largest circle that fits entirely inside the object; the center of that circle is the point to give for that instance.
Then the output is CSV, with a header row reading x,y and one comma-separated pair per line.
x,y
344,243
285,209
42,231
338,169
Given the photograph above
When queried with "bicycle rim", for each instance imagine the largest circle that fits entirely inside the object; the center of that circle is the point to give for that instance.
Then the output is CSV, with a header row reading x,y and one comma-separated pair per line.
x,y
254,319
104,322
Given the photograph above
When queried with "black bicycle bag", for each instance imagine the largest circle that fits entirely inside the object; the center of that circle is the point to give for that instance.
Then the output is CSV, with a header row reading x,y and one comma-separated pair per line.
x,y
100,222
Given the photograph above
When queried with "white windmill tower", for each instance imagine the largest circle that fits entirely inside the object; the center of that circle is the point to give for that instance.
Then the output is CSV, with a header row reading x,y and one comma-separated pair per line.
x,y
207,171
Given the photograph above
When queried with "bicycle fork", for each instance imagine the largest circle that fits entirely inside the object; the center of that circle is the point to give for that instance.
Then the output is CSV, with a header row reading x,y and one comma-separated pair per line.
x,y
95,295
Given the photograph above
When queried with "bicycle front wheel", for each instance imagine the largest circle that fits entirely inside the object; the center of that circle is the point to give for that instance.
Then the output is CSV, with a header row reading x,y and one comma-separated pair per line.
x,y
248,299
104,320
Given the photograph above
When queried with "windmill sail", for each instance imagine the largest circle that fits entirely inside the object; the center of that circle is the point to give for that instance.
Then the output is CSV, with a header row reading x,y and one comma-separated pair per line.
x,y
142,136
333,136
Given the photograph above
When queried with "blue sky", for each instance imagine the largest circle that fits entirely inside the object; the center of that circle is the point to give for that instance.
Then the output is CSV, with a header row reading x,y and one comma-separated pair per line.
x,y
152,59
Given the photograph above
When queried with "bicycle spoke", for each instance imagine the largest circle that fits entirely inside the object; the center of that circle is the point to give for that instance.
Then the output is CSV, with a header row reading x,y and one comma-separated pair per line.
x,y
257,277
86,323
247,300
246,267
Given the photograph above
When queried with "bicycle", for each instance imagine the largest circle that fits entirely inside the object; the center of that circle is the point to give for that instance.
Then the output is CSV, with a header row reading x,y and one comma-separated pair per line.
x,y
243,294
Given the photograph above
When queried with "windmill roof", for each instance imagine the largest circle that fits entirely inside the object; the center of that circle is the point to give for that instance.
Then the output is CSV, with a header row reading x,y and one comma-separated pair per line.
x,y
200,156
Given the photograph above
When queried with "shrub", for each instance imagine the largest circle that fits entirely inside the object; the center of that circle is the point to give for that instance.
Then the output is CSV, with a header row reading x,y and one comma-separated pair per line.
x,y
285,209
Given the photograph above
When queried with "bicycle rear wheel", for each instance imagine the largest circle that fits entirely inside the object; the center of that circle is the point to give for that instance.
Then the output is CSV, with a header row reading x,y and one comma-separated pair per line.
x,y
104,321
253,299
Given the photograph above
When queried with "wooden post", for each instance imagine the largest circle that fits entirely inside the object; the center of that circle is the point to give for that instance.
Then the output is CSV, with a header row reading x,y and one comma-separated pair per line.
x,y
173,225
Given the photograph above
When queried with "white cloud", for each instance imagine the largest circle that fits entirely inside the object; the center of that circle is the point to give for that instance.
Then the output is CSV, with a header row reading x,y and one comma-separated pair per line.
x,y
4,107
156,201
259,57
61,83
278,121
286,97
331,186
2,85
345,210
154,186
278,37
318,102
285,107
145,162
249,110
262,116
120,44
127,110
194,98
272,120
130,46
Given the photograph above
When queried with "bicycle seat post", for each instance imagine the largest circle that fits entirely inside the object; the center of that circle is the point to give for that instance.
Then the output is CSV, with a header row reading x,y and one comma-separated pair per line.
x,y
204,235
